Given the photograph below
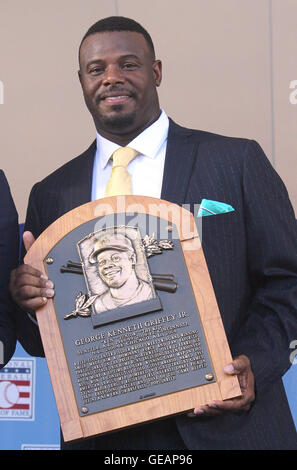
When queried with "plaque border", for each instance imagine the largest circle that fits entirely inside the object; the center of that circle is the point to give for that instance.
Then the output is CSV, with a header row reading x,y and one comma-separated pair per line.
x,y
225,387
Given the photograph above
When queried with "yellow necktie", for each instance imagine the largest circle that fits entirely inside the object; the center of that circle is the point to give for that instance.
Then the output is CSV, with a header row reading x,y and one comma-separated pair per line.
x,y
119,183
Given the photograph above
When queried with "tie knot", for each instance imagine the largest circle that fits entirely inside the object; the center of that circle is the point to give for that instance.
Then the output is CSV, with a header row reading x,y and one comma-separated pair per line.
x,y
123,156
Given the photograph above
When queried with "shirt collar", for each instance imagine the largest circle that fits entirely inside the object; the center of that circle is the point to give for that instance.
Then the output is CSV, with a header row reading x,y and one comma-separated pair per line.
x,y
148,143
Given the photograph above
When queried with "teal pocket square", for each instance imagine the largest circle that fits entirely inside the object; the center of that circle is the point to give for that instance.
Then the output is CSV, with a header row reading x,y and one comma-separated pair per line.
x,y
208,207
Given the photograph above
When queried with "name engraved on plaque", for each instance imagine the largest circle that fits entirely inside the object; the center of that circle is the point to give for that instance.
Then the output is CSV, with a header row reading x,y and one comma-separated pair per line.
x,y
137,357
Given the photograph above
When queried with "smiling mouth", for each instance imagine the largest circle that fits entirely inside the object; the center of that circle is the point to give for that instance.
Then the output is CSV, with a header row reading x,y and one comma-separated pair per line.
x,y
115,95
116,99
111,272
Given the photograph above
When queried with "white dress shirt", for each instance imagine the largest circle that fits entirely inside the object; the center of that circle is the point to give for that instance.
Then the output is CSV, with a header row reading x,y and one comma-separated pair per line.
x,y
146,170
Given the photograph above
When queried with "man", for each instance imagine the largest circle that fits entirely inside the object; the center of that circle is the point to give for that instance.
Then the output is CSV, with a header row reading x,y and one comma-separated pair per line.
x,y
9,246
116,259
251,252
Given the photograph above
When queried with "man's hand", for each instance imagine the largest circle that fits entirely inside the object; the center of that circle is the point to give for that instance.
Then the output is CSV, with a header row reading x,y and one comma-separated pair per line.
x,y
29,288
241,367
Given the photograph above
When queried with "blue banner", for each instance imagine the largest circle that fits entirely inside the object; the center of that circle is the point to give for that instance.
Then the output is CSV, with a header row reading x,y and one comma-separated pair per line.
x,y
28,413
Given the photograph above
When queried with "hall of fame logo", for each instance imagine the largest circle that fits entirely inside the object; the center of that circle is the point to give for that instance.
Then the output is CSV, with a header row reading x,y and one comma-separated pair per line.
x,y
17,390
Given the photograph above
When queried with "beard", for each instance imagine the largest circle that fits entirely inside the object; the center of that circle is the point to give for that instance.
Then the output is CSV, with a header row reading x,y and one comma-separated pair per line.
x,y
117,120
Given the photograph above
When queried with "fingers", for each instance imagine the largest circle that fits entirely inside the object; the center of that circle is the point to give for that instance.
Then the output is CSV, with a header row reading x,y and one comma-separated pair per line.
x,y
216,408
234,405
29,288
28,239
204,410
241,367
238,365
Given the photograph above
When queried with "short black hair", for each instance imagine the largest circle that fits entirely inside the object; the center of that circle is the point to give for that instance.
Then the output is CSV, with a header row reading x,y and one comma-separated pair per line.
x,y
119,23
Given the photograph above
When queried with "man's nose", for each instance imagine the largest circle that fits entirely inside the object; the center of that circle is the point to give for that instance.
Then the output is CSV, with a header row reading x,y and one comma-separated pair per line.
x,y
113,76
109,264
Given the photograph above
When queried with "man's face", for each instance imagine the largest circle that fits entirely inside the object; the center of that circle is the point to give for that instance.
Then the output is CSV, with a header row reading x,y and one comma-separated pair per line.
x,y
119,76
115,267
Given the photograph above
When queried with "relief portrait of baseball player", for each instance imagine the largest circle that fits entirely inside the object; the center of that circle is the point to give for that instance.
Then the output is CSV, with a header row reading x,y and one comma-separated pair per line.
x,y
116,259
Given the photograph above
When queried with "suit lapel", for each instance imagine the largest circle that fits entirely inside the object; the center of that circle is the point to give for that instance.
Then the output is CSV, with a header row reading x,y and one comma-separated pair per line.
x,y
79,190
180,158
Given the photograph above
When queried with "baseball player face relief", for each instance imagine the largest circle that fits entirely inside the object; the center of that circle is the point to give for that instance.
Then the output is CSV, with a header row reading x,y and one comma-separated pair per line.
x,y
115,267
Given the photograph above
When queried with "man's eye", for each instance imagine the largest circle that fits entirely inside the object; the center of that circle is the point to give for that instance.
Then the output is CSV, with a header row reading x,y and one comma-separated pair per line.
x,y
115,258
129,66
96,70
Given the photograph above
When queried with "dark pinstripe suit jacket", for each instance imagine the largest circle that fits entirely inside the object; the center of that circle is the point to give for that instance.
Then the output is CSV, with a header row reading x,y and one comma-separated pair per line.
x,y
252,259
9,246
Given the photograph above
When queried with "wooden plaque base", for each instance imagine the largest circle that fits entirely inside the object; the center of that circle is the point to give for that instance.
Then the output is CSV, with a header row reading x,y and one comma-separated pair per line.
x,y
74,426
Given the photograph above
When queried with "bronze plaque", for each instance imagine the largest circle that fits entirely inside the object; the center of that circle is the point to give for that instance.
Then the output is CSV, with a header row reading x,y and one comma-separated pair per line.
x,y
125,339
124,326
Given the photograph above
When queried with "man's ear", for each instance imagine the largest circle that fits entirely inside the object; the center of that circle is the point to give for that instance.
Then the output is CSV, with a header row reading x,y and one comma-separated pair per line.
x,y
157,70
79,76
